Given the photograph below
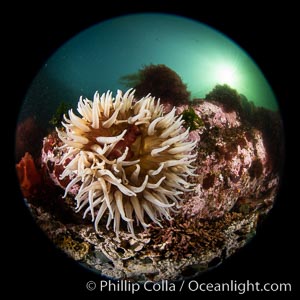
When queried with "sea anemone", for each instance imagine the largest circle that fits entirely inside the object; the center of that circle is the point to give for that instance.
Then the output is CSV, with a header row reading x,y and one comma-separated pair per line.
x,y
128,159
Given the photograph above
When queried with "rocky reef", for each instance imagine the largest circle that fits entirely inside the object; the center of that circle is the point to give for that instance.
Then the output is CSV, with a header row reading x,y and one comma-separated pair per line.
x,y
235,185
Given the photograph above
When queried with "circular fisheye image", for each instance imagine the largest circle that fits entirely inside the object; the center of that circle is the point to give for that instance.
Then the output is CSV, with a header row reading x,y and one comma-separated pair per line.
x,y
149,147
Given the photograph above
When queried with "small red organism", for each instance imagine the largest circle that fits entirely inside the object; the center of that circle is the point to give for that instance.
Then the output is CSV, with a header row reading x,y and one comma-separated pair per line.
x,y
28,175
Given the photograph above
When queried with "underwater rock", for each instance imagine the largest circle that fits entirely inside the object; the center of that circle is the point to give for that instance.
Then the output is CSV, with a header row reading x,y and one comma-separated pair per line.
x,y
193,247
232,165
233,188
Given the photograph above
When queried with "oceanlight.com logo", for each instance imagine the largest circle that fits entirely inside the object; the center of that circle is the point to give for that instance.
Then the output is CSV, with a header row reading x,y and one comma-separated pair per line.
x,y
239,287
192,286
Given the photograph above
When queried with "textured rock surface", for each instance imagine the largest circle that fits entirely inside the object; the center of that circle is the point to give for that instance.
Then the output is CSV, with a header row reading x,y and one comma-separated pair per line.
x,y
232,167
191,249
234,186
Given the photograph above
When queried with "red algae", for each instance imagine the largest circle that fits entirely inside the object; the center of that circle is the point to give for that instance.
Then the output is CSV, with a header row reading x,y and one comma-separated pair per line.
x,y
28,175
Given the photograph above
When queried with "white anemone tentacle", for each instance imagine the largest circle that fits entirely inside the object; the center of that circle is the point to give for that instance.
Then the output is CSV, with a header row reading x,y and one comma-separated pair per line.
x,y
129,161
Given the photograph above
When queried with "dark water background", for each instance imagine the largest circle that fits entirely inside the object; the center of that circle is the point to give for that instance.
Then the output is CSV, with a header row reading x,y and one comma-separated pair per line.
x,y
98,57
